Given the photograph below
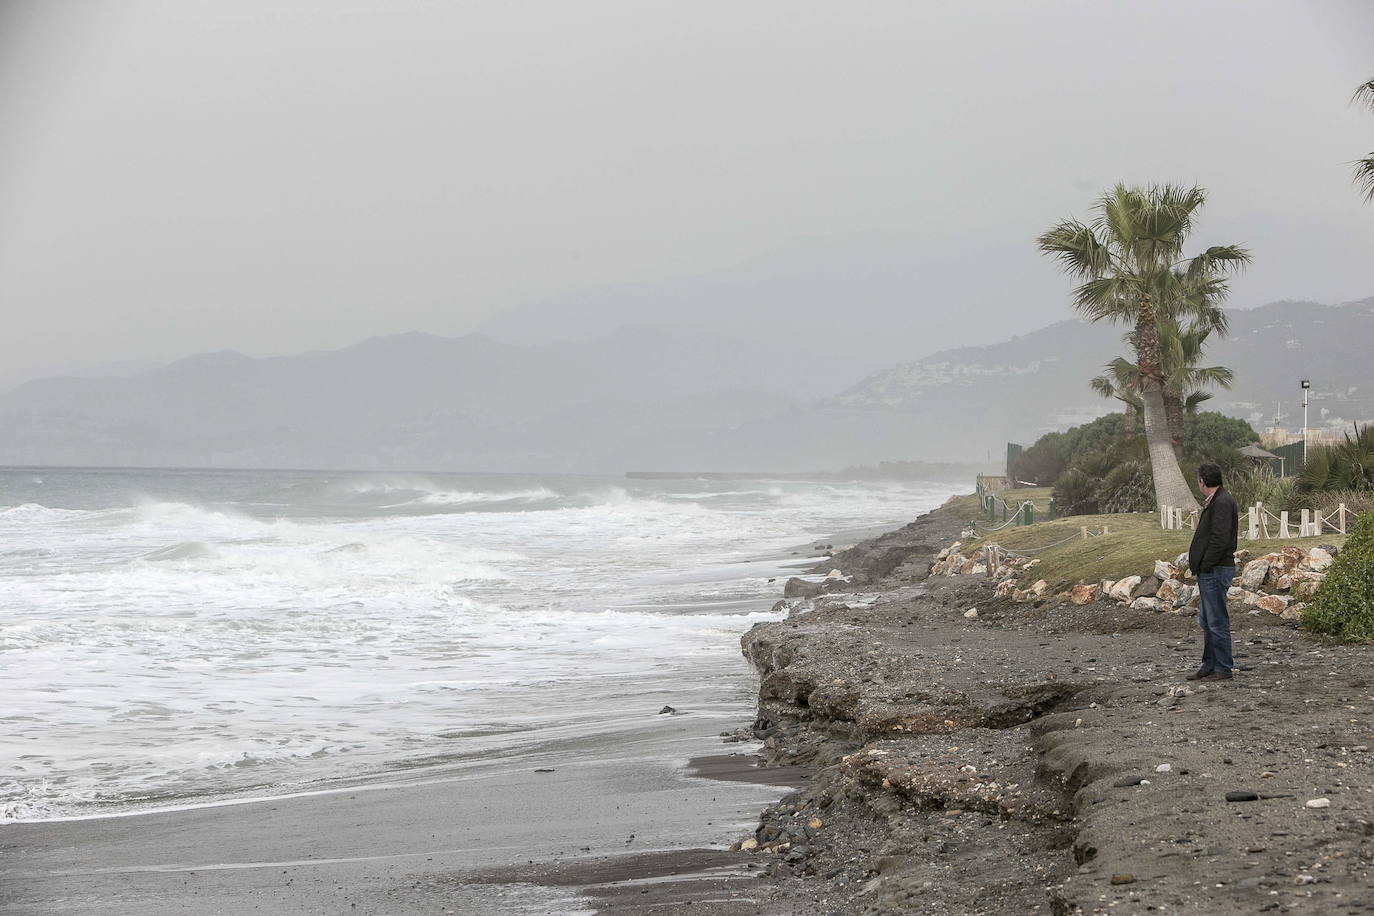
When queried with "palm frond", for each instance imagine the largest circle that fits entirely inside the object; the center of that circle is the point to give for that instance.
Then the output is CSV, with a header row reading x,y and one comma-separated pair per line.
x,y
1364,177
1191,402
1364,95
1077,249
1109,297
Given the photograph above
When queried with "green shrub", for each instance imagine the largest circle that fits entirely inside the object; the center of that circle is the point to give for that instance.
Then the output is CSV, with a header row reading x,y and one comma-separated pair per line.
x,y
1348,466
1075,493
1344,605
1128,488
1261,485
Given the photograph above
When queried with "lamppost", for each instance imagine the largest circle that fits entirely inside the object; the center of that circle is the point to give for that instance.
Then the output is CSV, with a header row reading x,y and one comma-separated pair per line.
x,y
1306,387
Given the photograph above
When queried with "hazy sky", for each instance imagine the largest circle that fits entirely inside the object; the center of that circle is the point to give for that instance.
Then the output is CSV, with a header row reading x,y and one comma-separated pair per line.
x,y
281,175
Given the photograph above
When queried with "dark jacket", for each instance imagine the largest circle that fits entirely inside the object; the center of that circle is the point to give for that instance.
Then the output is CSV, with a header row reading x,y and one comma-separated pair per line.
x,y
1214,541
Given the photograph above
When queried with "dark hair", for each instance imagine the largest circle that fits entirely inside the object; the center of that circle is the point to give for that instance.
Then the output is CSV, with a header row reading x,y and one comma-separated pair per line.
x,y
1209,474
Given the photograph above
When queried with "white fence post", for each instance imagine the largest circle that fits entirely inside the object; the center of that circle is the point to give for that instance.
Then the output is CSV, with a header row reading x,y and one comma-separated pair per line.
x,y
1340,514
1254,523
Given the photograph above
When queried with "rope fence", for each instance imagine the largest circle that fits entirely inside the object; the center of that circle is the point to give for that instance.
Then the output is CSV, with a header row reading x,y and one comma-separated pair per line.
x,y
1303,524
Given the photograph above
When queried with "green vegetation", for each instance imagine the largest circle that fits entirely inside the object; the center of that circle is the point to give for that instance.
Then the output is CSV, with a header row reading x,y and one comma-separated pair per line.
x,y
1348,466
1344,605
1131,547
1186,382
1097,468
1130,261
1364,168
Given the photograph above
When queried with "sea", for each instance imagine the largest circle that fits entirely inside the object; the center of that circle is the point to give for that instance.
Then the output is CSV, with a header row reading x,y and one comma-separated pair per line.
x,y
170,637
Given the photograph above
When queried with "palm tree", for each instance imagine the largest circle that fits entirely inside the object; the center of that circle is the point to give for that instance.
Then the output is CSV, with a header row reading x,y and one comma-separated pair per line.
x,y
1130,259
1364,168
1185,383
1121,381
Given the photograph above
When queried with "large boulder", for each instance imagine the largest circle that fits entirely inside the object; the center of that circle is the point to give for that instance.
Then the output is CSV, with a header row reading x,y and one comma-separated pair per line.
x,y
1274,604
1252,576
1148,604
1185,595
1164,570
1318,560
1306,583
1039,588
1121,591
1145,588
1168,590
1084,594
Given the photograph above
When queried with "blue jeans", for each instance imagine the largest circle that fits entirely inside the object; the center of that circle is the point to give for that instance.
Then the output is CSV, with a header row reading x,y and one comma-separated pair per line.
x,y
1213,618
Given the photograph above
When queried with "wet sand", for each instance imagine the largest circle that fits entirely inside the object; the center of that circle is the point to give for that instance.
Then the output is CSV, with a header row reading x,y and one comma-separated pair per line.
x,y
439,842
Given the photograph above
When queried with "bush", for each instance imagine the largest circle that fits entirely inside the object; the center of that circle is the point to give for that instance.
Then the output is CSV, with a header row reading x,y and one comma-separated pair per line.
x,y
1348,466
1075,493
1128,488
1344,605
1260,485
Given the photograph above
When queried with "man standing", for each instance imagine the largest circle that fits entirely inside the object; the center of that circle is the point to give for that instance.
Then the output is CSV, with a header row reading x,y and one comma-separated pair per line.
x,y
1212,556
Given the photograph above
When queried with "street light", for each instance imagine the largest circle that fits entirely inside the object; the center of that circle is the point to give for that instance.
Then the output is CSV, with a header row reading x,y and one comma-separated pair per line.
x,y
1306,387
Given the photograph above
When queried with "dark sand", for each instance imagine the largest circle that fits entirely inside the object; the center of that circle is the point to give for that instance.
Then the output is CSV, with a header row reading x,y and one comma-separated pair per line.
x,y
442,842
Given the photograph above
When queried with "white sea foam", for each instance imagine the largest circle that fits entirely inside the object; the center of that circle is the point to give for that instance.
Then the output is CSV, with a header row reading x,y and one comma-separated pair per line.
x,y
157,649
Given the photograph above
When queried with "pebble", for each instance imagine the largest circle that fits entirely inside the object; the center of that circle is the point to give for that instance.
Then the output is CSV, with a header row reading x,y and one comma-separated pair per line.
x,y
971,613
1123,879
1319,803
1242,796
1164,768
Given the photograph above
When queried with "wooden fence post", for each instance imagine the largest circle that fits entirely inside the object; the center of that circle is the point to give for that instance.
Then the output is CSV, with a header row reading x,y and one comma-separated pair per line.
x,y
1084,531
1304,527
1254,524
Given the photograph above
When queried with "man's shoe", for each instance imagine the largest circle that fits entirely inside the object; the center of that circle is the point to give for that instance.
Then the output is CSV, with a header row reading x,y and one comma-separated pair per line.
x,y
1217,676
1198,675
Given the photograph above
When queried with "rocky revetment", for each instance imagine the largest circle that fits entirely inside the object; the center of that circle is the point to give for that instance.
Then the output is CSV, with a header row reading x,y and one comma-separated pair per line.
x,y
978,748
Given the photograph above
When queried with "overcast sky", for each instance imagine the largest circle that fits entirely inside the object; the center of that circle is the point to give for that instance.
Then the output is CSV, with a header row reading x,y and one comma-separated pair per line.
x,y
281,175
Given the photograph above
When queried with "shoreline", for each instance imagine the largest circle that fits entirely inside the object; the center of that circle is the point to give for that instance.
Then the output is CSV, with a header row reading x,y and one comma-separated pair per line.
x,y
1045,757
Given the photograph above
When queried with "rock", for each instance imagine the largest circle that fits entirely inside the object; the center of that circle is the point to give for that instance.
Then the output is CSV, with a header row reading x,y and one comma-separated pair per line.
x,y
979,569
1123,879
1148,604
1127,782
1168,590
1039,588
1106,586
1185,595
971,613
1306,583
749,845
1242,796
815,823
1021,595
667,711
1181,561
834,574
1121,591
1084,594
1318,803
1304,879
942,554
1164,570
1318,559
1252,576
1274,604
1005,588
800,588
1164,768
1147,588
1330,548
1293,612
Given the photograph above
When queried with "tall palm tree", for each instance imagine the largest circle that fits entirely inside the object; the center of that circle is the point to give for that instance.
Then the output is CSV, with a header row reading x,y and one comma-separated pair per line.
x,y
1364,168
1185,382
1130,259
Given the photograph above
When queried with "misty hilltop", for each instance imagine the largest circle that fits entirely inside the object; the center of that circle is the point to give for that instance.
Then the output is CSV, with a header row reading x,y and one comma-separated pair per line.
x,y
646,398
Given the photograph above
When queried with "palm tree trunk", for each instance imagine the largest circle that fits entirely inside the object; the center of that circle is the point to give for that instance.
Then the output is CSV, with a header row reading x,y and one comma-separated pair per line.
x,y
1130,421
1170,487
1173,408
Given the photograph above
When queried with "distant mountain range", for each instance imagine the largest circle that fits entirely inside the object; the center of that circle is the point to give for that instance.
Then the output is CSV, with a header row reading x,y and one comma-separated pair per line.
x,y
647,397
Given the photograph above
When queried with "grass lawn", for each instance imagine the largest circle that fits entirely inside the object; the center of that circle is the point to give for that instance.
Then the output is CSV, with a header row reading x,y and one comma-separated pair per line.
x,y
1131,547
